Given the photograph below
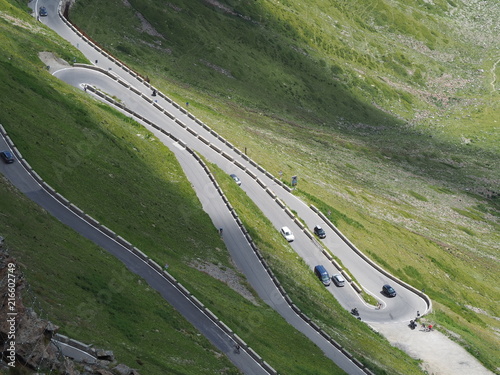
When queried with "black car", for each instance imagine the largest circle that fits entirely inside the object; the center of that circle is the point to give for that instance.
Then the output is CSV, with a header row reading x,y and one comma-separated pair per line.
x,y
320,232
7,157
388,290
42,12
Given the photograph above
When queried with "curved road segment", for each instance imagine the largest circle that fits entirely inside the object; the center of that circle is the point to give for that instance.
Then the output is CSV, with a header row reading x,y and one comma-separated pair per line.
x,y
401,308
21,178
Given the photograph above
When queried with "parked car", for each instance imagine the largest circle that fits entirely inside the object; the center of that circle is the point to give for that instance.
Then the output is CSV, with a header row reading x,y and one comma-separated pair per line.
x,y
287,233
236,179
7,157
338,280
322,274
388,290
42,12
320,232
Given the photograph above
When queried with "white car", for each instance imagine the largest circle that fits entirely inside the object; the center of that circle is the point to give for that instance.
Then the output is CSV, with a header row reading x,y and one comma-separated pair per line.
x,y
287,233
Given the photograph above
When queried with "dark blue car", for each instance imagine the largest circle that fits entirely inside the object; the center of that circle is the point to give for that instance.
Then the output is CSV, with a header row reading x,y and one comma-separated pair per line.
x,y
7,157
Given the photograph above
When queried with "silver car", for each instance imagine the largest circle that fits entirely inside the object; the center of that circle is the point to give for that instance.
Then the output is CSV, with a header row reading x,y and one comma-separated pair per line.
x,y
338,280
236,179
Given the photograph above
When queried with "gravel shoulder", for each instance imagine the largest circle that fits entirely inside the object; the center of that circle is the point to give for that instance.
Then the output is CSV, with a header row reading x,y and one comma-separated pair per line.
x,y
439,354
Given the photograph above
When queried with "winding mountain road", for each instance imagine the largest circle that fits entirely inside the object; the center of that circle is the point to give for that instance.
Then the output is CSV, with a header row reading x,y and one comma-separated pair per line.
x,y
256,183
401,308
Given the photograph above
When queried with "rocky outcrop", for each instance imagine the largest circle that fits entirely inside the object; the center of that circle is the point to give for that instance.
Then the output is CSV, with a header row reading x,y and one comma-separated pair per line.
x,y
27,340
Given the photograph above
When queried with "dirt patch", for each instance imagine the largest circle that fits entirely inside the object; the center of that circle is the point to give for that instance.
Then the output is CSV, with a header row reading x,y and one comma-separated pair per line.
x,y
227,276
53,62
146,27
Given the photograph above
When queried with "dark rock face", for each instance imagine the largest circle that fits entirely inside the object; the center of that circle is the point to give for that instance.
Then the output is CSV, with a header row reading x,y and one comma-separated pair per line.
x,y
26,339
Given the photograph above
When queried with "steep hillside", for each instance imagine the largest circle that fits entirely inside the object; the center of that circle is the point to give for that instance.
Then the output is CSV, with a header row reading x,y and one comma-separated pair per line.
x,y
387,112
118,172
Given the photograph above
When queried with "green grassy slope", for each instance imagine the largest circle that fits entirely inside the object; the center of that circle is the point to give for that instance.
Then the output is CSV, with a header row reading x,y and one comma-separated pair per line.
x,y
120,174
94,298
387,111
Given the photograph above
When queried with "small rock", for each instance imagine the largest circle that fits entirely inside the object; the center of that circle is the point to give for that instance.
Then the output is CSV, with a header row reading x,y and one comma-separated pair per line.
x,y
106,355
103,363
51,329
123,369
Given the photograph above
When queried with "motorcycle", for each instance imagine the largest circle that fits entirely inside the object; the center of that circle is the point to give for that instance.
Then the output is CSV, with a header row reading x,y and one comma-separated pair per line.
x,y
413,324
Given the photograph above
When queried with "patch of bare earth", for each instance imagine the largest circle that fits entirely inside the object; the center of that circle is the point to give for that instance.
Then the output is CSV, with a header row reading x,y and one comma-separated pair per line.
x,y
227,276
146,27
53,62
